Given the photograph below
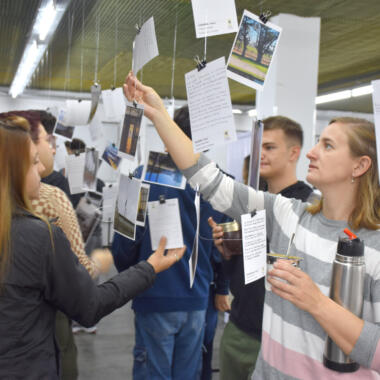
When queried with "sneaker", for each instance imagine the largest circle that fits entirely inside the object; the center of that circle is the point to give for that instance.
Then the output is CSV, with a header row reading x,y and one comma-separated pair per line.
x,y
89,330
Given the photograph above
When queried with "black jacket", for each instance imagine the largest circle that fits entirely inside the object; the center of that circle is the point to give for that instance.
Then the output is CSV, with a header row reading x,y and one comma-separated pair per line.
x,y
248,303
40,280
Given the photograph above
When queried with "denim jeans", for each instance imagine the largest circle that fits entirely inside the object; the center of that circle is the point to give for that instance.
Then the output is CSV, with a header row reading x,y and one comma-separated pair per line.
x,y
168,346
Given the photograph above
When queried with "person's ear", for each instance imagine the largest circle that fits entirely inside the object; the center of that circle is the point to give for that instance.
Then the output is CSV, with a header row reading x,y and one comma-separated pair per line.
x,y
295,152
361,166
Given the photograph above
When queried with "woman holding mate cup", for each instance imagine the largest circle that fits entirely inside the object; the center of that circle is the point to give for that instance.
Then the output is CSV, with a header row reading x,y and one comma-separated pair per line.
x,y
298,314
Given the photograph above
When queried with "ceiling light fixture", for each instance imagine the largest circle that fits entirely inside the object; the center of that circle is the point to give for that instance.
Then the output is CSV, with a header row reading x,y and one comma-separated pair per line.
x,y
47,20
252,112
346,94
237,111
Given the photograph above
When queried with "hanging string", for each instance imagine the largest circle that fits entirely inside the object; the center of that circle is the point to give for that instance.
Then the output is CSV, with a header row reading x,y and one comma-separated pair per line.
x,y
205,46
115,53
174,52
50,71
81,49
70,33
97,27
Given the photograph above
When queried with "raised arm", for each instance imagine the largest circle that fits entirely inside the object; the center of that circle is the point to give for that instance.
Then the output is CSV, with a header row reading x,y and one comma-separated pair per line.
x,y
178,144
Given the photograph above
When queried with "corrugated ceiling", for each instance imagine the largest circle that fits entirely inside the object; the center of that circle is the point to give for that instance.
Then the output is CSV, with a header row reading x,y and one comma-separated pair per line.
x,y
349,51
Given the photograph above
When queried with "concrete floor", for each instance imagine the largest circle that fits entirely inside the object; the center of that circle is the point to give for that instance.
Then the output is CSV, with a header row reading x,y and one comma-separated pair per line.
x,y
107,355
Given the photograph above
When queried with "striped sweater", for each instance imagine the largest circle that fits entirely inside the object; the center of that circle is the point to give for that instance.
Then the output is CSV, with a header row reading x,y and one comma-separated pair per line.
x,y
292,341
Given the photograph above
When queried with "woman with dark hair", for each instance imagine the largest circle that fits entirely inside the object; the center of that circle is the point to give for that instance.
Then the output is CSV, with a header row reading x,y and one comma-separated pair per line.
x,y
298,314
39,274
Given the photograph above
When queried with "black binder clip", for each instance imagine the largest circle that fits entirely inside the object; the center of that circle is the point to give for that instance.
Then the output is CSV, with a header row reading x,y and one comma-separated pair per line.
x,y
77,153
200,64
161,198
113,88
265,16
253,213
130,175
134,103
138,28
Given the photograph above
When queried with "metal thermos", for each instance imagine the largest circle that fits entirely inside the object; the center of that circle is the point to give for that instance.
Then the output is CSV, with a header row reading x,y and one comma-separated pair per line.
x,y
347,286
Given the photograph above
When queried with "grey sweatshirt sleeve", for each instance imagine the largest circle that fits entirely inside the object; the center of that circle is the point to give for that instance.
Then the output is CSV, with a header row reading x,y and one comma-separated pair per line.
x,y
225,195
68,286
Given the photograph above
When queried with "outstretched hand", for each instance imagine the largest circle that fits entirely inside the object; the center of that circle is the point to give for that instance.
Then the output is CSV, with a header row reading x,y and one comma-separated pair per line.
x,y
134,90
217,234
160,261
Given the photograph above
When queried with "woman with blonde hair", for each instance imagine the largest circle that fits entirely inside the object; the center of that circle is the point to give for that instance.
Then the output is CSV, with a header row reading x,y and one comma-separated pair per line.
x,y
38,271
298,314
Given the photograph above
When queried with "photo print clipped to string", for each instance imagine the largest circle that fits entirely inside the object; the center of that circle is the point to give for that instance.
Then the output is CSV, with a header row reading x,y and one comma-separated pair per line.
x,y
62,129
193,260
91,166
165,220
214,17
253,226
110,156
160,169
145,46
131,130
376,112
142,204
127,206
253,50
210,107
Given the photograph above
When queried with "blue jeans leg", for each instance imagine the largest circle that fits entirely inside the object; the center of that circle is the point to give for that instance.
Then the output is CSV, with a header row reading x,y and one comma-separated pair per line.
x,y
173,344
140,370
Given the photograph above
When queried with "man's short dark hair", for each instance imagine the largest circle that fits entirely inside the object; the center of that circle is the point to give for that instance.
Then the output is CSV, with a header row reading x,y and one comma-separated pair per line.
x,y
182,118
292,129
48,121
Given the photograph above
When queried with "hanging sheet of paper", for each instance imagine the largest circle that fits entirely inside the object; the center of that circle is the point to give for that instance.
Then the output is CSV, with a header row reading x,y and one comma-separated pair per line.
x,y
165,220
62,128
193,261
143,204
254,164
131,130
161,170
252,51
96,90
214,17
95,128
77,112
60,154
91,167
109,202
74,171
144,46
254,246
113,104
110,156
210,107
127,203
376,112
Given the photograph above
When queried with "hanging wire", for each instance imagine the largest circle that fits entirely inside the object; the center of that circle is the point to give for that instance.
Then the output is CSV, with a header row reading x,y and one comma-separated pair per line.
x,y
115,53
70,34
50,70
81,49
174,52
97,27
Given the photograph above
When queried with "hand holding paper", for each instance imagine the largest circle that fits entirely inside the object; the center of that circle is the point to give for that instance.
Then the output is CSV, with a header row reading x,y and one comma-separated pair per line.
x,y
160,261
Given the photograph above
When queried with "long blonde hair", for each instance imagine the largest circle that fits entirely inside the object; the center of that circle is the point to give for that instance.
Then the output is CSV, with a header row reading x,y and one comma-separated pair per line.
x,y
362,142
15,162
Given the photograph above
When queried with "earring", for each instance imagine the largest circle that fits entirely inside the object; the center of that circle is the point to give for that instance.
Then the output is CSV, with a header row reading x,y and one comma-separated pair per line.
x,y
352,179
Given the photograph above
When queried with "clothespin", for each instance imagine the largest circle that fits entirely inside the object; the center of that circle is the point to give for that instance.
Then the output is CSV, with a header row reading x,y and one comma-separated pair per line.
x,y
265,16
200,64
138,28
162,199
134,103
253,213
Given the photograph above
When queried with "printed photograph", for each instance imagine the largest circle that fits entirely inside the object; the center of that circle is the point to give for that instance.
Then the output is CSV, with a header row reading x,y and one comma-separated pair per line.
x,y
91,165
131,131
123,226
252,51
61,129
110,156
161,169
142,205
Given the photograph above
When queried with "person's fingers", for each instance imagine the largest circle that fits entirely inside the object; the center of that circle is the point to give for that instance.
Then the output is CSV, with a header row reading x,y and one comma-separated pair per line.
x,y
162,245
176,253
211,222
218,241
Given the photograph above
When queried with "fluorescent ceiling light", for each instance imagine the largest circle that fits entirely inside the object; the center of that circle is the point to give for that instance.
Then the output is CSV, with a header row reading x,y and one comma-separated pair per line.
x,y
47,20
252,112
237,111
333,97
365,90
